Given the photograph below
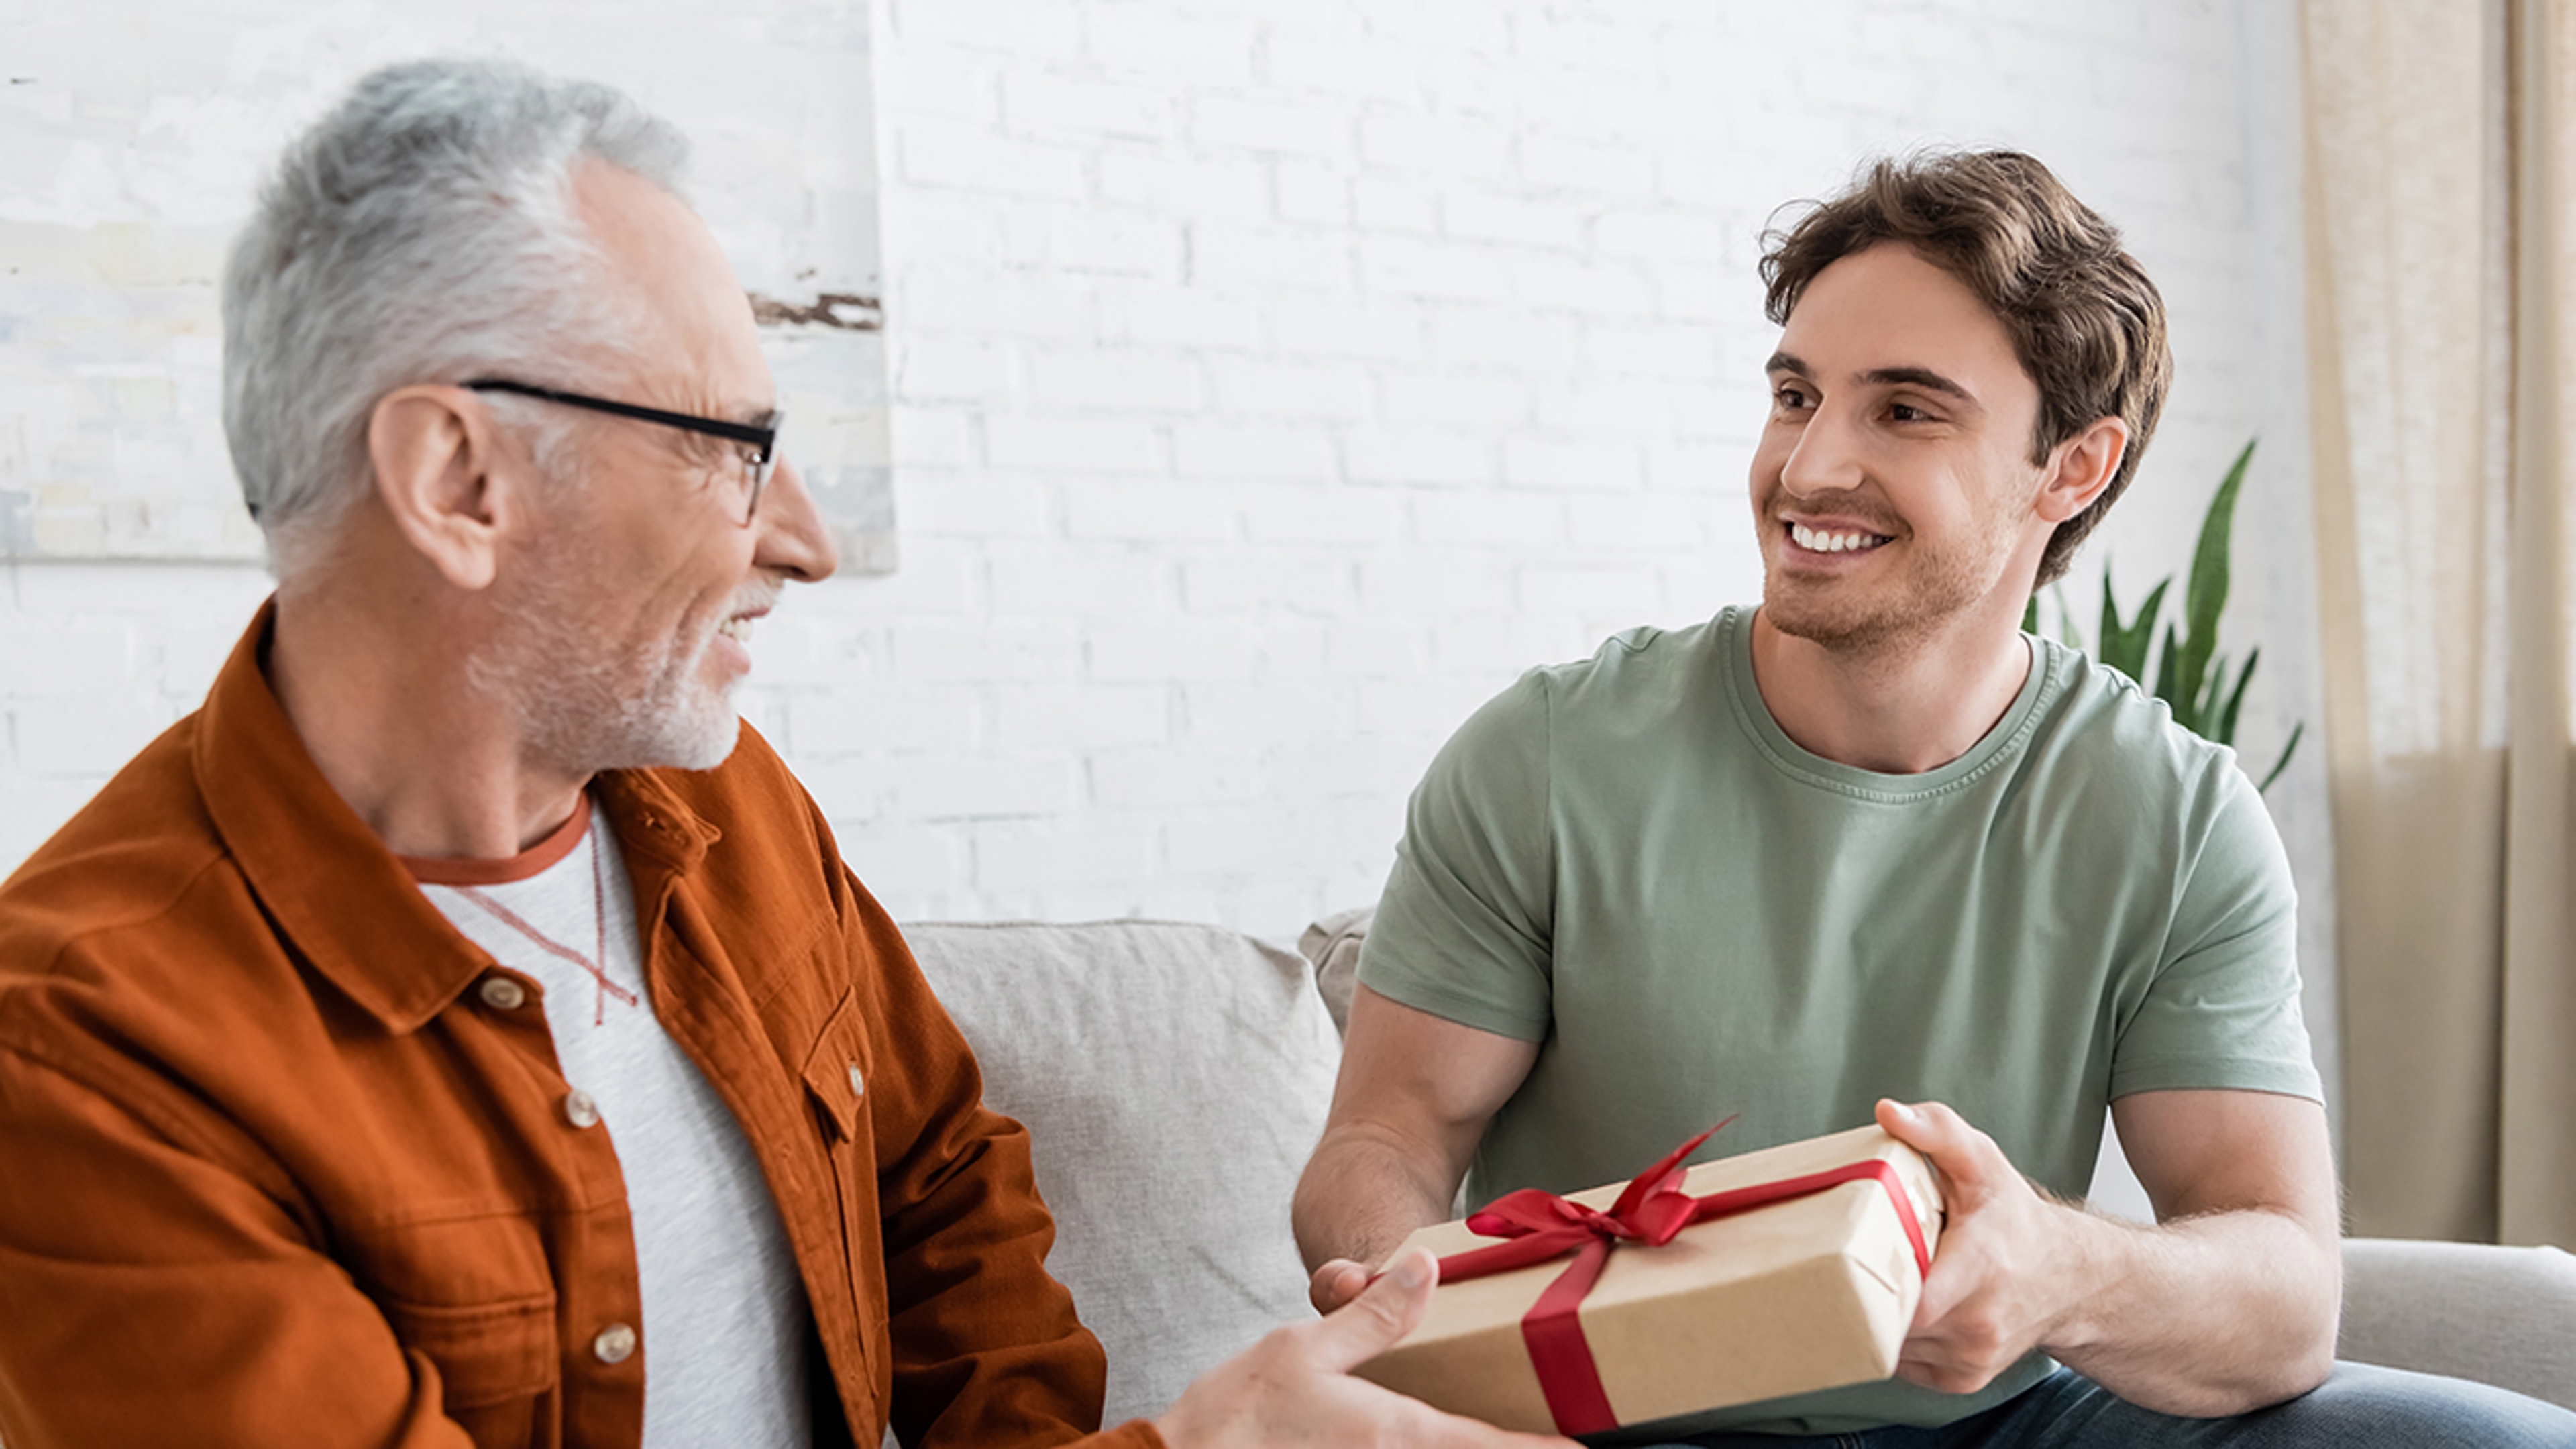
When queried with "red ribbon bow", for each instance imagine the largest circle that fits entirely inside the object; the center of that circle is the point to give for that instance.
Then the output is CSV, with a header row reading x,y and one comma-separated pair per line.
x,y
1539,1226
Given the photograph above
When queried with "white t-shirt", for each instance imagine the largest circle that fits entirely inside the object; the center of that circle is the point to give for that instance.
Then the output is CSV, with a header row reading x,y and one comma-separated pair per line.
x,y
724,1331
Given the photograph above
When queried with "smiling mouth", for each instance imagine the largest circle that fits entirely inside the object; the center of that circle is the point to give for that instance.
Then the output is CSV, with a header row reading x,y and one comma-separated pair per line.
x,y
1816,540
737,628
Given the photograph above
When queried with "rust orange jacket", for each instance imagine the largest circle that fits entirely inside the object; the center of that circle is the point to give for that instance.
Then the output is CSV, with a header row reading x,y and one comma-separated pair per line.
x,y
274,1170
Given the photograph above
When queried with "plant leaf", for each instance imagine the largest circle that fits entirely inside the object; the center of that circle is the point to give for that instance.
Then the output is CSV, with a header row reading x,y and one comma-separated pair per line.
x,y
2065,617
2125,648
2236,697
2204,707
2109,633
2283,763
2204,595
2165,666
2030,616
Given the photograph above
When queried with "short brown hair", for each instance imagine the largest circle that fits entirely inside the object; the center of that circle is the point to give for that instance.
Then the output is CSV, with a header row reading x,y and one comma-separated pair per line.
x,y
2084,320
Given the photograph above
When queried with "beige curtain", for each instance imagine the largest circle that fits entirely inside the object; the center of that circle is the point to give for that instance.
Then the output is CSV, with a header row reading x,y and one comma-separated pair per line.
x,y
2441,204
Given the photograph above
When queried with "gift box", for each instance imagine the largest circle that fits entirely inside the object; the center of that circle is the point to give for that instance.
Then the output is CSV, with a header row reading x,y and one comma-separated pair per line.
x,y
1774,1272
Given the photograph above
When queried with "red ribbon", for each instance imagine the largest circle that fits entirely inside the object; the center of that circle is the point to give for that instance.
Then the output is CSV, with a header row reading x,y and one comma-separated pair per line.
x,y
1538,1227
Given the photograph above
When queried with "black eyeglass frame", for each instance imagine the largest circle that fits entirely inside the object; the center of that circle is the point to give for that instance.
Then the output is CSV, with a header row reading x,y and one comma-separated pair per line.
x,y
762,435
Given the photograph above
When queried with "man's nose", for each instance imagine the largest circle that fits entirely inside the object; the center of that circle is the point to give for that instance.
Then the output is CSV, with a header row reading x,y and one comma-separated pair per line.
x,y
794,540
1827,456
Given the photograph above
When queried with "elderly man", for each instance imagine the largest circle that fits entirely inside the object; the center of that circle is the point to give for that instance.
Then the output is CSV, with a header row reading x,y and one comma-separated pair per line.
x,y
461,1029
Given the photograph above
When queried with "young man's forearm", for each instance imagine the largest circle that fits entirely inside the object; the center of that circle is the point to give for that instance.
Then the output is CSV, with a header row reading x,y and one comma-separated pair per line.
x,y
2228,1305
1362,1193
1412,1101
2202,1317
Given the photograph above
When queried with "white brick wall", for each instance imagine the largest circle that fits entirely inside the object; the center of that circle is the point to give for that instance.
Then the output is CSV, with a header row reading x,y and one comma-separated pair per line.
x,y
1384,350
95,661
1274,379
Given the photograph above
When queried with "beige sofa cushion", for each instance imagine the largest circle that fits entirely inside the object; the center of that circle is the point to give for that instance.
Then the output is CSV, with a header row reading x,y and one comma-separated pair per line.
x,y
1333,945
1173,1079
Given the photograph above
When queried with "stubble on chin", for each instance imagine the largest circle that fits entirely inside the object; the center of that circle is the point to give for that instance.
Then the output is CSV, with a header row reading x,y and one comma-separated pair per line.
x,y
662,715
584,702
1824,612
1858,619
1839,635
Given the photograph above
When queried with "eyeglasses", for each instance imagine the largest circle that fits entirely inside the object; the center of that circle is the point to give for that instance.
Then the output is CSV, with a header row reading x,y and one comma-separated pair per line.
x,y
761,435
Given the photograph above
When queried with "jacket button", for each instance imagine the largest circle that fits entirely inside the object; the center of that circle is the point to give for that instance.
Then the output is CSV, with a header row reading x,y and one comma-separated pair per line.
x,y
858,1083
615,1344
503,994
580,1109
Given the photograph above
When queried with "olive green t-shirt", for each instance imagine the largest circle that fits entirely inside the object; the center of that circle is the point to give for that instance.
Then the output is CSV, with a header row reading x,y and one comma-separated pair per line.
x,y
1627,861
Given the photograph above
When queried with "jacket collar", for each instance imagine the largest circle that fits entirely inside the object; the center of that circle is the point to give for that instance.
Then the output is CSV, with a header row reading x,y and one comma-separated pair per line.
x,y
336,894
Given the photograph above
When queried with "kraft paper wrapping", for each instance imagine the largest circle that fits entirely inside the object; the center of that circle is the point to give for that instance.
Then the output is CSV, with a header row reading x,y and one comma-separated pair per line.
x,y
1807,1294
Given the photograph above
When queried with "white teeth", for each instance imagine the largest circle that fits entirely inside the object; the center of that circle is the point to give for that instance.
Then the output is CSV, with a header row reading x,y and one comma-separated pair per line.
x,y
1817,541
738,630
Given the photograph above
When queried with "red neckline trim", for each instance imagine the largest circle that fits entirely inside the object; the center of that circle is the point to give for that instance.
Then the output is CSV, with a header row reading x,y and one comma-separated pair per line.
x,y
472,871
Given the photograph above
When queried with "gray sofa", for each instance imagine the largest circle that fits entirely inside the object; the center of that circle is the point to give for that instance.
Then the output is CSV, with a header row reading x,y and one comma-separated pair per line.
x,y
1174,1077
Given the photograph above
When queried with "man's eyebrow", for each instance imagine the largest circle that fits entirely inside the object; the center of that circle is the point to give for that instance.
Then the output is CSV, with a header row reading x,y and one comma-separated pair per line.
x,y
1783,362
1922,377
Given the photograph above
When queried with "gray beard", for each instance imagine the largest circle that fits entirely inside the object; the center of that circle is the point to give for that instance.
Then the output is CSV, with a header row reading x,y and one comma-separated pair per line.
x,y
584,711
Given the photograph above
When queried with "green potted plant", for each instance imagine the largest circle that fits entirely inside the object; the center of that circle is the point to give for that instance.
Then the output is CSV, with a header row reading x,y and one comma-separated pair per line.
x,y
2191,674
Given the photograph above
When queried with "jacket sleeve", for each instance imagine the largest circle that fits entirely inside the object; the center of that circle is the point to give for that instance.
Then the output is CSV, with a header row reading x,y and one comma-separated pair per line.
x,y
153,1290
986,1349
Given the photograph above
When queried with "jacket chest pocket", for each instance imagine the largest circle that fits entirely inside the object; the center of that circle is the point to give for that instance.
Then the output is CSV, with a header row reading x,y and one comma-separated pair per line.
x,y
835,1076
498,1364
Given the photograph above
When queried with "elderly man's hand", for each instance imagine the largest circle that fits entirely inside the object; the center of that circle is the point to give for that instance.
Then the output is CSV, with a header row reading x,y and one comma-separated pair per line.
x,y
1294,1387
1336,1283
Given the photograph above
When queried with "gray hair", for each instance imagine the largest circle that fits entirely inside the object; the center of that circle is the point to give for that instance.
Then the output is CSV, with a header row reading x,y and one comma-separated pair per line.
x,y
423,231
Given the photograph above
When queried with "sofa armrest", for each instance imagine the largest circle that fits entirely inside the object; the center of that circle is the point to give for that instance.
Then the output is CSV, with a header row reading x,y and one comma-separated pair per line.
x,y
2502,1316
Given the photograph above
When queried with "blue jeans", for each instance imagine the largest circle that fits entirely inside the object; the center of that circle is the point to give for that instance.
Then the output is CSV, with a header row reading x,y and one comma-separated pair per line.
x,y
2359,1406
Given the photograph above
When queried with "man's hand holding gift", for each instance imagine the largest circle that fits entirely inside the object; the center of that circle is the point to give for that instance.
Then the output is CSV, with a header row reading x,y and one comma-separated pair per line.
x,y
2003,1281
2241,1185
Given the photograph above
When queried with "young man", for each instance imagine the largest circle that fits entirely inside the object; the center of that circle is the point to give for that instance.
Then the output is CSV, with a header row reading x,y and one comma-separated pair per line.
x,y
1871,852
461,1029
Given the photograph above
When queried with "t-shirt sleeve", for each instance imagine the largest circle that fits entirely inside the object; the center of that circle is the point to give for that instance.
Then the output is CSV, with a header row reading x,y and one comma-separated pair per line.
x,y
1463,928
2223,1009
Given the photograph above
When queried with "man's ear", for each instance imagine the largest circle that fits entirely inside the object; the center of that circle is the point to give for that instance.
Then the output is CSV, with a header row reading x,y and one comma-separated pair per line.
x,y
2081,467
435,457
